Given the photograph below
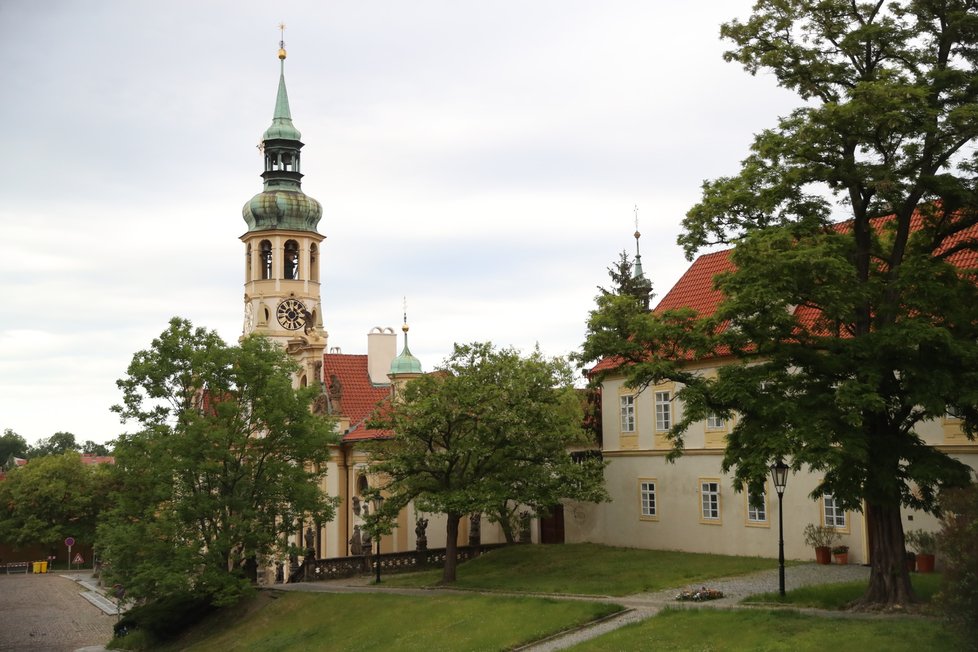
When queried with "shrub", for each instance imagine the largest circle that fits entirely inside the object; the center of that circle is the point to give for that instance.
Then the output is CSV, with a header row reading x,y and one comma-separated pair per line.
x,y
819,536
165,618
840,550
921,541
959,550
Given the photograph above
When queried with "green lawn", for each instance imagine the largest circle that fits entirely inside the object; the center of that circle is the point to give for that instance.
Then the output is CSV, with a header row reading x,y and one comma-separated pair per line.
x,y
708,629
385,622
838,596
587,569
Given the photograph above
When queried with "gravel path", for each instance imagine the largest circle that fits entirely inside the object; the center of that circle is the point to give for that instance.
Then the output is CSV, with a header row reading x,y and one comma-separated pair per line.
x,y
735,589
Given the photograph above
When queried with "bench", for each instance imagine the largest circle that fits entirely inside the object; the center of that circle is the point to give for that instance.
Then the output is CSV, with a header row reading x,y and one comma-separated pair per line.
x,y
17,567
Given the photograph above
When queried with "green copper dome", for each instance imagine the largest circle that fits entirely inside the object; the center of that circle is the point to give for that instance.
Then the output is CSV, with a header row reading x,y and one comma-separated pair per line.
x,y
282,204
405,363
282,209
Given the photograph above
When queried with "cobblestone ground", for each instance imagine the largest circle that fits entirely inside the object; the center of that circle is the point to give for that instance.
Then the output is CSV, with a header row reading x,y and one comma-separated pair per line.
x,y
46,612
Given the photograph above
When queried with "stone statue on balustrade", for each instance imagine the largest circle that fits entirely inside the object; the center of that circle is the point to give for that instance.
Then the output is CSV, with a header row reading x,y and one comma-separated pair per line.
x,y
356,545
421,532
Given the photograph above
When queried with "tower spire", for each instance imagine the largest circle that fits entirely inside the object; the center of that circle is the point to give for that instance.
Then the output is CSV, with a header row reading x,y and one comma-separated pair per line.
x,y
405,363
637,269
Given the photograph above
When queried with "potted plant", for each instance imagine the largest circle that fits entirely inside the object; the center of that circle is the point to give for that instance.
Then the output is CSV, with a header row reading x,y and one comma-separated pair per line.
x,y
821,539
924,543
841,554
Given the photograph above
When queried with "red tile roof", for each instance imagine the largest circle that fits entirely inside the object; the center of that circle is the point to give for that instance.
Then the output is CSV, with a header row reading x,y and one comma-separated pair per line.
x,y
352,395
696,290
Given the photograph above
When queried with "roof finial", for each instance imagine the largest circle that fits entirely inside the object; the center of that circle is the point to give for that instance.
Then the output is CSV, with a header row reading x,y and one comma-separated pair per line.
x,y
637,272
404,327
281,42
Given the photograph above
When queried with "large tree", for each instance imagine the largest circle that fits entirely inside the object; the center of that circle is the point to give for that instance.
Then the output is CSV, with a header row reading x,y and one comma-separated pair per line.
x,y
853,308
490,429
11,445
227,461
52,498
57,444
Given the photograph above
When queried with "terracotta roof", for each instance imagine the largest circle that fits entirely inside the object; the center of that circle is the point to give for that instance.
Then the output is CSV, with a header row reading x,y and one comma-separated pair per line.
x,y
352,395
695,289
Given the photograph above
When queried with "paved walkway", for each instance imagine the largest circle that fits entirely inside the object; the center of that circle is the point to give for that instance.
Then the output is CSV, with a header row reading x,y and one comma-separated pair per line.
x,y
47,612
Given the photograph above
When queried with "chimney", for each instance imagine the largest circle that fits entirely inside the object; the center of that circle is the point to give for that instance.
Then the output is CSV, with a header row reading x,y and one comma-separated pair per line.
x,y
381,349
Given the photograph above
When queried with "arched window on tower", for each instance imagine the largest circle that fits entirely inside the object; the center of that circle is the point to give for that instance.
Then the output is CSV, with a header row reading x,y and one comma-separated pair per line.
x,y
291,260
248,262
266,259
313,262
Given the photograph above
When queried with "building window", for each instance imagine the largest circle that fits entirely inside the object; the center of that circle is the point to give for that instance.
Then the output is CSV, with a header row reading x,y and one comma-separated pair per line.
x,y
757,508
714,422
663,411
628,413
834,516
647,495
313,263
710,500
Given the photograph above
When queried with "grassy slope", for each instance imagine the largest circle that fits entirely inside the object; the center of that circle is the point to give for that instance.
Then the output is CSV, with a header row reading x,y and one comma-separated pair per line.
x,y
588,569
733,631
838,596
362,622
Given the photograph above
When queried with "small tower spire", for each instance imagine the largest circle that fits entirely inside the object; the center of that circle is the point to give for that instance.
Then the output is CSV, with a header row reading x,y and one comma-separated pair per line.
x,y
405,363
637,269
642,285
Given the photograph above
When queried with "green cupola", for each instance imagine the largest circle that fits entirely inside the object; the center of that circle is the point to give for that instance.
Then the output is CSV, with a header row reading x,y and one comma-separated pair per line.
x,y
405,363
282,204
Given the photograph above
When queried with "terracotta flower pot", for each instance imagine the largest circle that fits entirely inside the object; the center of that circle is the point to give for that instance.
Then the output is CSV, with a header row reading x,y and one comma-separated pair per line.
x,y
925,563
823,555
842,558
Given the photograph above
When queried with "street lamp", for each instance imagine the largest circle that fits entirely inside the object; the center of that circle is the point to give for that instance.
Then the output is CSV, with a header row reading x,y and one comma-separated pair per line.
x,y
779,474
378,503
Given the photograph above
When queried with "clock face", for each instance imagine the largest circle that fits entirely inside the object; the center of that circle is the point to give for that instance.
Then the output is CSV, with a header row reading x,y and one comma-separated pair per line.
x,y
291,314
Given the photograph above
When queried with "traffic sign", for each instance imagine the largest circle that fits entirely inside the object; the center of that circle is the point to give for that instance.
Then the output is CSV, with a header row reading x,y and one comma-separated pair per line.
x,y
78,559
70,541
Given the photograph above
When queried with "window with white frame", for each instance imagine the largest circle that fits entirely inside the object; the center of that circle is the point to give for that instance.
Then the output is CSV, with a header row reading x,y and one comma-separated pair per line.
x,y
647,494
710,499
834,516
628,413
715,422
757,508
663,411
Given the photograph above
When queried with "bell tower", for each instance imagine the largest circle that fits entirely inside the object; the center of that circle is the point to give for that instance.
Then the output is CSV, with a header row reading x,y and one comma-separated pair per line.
x,y
282,247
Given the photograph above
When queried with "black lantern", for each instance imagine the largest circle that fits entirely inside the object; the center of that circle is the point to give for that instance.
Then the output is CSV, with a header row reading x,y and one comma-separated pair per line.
x,y
779,475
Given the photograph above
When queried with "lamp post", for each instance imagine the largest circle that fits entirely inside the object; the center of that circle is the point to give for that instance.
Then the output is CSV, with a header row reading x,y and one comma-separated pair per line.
x,y
378,503
779,474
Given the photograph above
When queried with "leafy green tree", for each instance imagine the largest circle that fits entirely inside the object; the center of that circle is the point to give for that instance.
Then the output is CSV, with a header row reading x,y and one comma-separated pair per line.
x,y
227,461
625,283
489,429
848,336
11,445
57,444
90,447
51,498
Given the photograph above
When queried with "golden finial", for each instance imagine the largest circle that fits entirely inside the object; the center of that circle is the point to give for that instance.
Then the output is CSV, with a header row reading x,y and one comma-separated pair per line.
x,y
281,43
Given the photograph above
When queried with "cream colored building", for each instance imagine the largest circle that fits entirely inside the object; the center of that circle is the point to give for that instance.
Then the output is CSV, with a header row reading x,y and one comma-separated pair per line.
x,y
691,505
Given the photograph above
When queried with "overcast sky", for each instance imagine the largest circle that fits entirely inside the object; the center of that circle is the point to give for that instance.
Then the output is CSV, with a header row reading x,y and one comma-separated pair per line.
x,y
480,158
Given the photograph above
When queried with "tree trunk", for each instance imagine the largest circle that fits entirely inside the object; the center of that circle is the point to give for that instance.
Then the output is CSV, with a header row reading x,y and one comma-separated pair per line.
x,y
451,548
889,580
506,523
